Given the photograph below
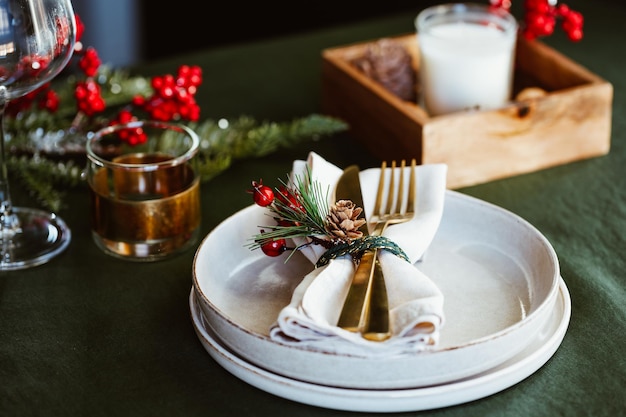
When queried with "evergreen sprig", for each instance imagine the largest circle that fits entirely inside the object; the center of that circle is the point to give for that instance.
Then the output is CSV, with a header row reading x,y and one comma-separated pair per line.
x,y
220,146
43,178
222,142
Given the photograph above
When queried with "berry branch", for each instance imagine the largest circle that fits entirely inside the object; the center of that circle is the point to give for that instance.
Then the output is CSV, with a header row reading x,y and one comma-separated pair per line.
x,y
46,130
299,211
542,16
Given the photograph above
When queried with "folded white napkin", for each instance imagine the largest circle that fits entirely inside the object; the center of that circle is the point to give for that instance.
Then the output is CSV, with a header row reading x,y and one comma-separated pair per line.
x,y
415,302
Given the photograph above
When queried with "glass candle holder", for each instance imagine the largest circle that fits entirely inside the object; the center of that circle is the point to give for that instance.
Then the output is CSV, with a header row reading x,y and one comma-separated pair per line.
x,y
467,53
145,197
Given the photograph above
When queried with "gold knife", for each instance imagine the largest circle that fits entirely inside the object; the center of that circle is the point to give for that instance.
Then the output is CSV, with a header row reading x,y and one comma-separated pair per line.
x,y
366,305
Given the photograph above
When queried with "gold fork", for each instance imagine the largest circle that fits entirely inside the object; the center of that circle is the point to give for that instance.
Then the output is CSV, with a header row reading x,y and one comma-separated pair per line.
x,y
374,309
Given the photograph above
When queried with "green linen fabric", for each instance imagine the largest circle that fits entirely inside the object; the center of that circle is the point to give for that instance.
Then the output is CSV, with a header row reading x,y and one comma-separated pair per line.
x,y
87,334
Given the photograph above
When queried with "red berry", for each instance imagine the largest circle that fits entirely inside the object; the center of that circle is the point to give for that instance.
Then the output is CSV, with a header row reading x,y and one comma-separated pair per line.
x,y
261,194
274,247
50,101
80,27
124,116
562,10
504,4
88,97
575,35
539,6
289,199
90,62
575,18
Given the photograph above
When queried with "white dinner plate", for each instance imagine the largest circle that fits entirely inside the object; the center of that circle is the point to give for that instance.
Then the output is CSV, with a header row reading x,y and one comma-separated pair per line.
x,y
498,273
542,346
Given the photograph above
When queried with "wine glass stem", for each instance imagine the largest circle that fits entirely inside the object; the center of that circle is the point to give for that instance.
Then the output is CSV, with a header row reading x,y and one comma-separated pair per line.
x,y
9,223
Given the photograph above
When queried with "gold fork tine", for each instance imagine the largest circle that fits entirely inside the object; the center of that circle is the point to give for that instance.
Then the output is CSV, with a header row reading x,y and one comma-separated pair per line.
x,y
390,188
410,205
400,196
381,189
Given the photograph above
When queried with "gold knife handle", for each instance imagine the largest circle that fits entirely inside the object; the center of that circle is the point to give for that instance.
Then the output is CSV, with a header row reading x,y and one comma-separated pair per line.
x,y
355,312
377,328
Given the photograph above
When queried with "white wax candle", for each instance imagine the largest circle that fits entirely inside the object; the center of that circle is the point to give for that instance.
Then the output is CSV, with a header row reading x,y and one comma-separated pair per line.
x,y
465,66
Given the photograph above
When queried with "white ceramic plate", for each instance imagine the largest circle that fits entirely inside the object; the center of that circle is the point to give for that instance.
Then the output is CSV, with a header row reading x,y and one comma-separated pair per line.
x,y
499,276
542,346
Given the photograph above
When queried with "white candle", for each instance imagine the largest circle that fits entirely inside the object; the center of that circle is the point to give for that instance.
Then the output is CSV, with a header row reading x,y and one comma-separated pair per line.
x,y
466,58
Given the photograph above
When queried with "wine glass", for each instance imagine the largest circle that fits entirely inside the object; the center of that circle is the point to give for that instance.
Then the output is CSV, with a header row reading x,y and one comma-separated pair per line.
x,y
36,42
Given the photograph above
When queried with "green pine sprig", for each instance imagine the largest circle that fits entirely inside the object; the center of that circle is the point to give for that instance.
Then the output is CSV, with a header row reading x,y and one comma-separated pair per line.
x,y
44,178
220,147
222,142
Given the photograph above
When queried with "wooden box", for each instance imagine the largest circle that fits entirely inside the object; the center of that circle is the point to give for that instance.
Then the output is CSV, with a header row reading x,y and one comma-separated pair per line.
x,y
571,121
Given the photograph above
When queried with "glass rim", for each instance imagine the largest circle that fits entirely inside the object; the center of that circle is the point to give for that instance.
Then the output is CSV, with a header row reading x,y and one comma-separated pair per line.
x,y
152,166
508,23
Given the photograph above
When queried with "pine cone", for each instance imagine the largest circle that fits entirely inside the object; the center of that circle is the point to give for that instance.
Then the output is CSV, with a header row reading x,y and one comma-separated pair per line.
x,y
389,63
342,220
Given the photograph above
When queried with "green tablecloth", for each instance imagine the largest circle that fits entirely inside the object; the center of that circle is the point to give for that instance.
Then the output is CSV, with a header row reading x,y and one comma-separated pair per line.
x,y
87,334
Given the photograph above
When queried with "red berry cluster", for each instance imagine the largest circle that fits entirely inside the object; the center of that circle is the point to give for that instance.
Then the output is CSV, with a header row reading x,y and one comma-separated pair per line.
x,y
49,100
44,97
32,65
87,94
90,62
88,97
541,19
264,196
174,97
132,136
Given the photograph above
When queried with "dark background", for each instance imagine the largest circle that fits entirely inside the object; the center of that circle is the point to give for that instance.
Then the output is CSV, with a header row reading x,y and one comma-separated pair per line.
x,y
127,32
167,31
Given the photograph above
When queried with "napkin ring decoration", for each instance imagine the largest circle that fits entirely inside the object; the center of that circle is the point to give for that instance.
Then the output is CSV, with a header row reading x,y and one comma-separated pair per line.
x,y
356,247
302,211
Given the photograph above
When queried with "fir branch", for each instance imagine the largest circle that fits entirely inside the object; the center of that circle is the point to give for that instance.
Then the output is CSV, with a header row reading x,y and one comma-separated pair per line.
x,y
39,177
314,201
219,148
246,137
222,142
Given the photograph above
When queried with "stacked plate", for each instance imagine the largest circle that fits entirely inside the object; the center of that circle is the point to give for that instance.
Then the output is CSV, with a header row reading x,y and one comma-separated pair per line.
x,y
506,306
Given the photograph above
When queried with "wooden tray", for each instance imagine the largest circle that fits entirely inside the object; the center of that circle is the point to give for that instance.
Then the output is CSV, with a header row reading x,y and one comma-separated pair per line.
x,y
571,122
